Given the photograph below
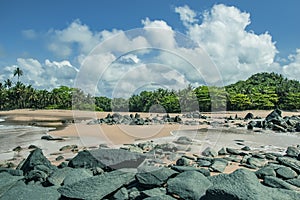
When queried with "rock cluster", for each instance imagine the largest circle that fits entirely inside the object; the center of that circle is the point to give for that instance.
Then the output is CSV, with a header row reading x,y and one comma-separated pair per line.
x,y
129,173
274,121
136,119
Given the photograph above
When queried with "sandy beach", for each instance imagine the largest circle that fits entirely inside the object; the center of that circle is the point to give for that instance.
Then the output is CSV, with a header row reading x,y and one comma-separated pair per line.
x,y
73,128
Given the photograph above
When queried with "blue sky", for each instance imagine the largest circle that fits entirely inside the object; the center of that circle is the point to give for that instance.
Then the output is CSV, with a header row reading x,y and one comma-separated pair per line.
x,y
50,39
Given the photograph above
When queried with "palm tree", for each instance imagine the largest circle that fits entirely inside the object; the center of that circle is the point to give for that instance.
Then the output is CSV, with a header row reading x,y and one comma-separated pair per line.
x,y
18,72
8,83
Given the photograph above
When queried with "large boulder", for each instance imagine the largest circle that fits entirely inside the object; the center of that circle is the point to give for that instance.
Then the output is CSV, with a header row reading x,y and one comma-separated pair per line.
x,y
107,158
243,184
154,176
58,176
290,162
275,118
33,192
7,181
188,185
275,182
292,152
286,173
97,187
36,158
249,116
76,175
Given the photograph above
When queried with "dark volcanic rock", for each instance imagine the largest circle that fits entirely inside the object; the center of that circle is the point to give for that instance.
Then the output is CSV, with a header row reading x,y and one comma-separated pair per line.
x,y
218,165
14,172
167,147
103,158
233,151
7,181
183,161
294,181
275,182
243,184
76,175
256,162
286,173
32,192
188,185
97,187
184,140
121,194
290,162
36,175
162,197
49,137
275,118
222,152
246,148
154,192
292,152
181,169
36,158
209,152
265,171
249,116
202,162
58,176
154,176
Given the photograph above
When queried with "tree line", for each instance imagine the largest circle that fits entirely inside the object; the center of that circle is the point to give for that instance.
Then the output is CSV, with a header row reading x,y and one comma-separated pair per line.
x,y
260,91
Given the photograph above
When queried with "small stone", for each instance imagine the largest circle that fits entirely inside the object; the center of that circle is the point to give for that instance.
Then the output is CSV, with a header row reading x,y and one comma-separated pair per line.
x,y
209,152
233,151
184,140
265,171
58,158
183,161
222,152
294,181
203,162
292,152
218,165
255,162
121,194
246,148
154,176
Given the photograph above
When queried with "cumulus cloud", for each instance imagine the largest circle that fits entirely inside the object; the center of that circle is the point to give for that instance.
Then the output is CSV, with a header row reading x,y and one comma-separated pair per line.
x,y
187,16
44,75
216,50
75,33
292,70
223,35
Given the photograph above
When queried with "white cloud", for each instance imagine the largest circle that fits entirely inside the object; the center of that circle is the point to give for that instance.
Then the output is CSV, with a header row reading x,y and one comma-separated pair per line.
x,y
43,75
75,33
187,16
237,53
292,70
119,63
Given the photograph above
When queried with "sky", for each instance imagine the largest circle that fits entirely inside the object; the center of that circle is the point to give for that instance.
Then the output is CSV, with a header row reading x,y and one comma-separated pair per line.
x,y
118,48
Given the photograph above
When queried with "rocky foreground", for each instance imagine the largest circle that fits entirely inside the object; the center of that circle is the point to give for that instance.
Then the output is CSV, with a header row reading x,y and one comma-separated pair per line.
x,y
138,171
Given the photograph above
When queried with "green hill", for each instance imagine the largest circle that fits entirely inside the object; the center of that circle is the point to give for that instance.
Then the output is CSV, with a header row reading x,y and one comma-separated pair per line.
x,y
264,91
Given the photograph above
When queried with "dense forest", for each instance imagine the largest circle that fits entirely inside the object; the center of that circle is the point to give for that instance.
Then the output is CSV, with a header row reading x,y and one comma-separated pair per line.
x,y
260,91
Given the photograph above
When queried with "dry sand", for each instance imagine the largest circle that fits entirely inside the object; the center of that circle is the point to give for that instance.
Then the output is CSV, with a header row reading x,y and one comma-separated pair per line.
x,y
90,136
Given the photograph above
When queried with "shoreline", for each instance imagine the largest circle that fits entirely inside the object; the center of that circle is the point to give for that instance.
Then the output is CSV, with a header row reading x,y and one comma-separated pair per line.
x,y
72,127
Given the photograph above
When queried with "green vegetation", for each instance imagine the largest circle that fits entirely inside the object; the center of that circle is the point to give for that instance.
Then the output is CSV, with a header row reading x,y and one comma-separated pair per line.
x,y
260,91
